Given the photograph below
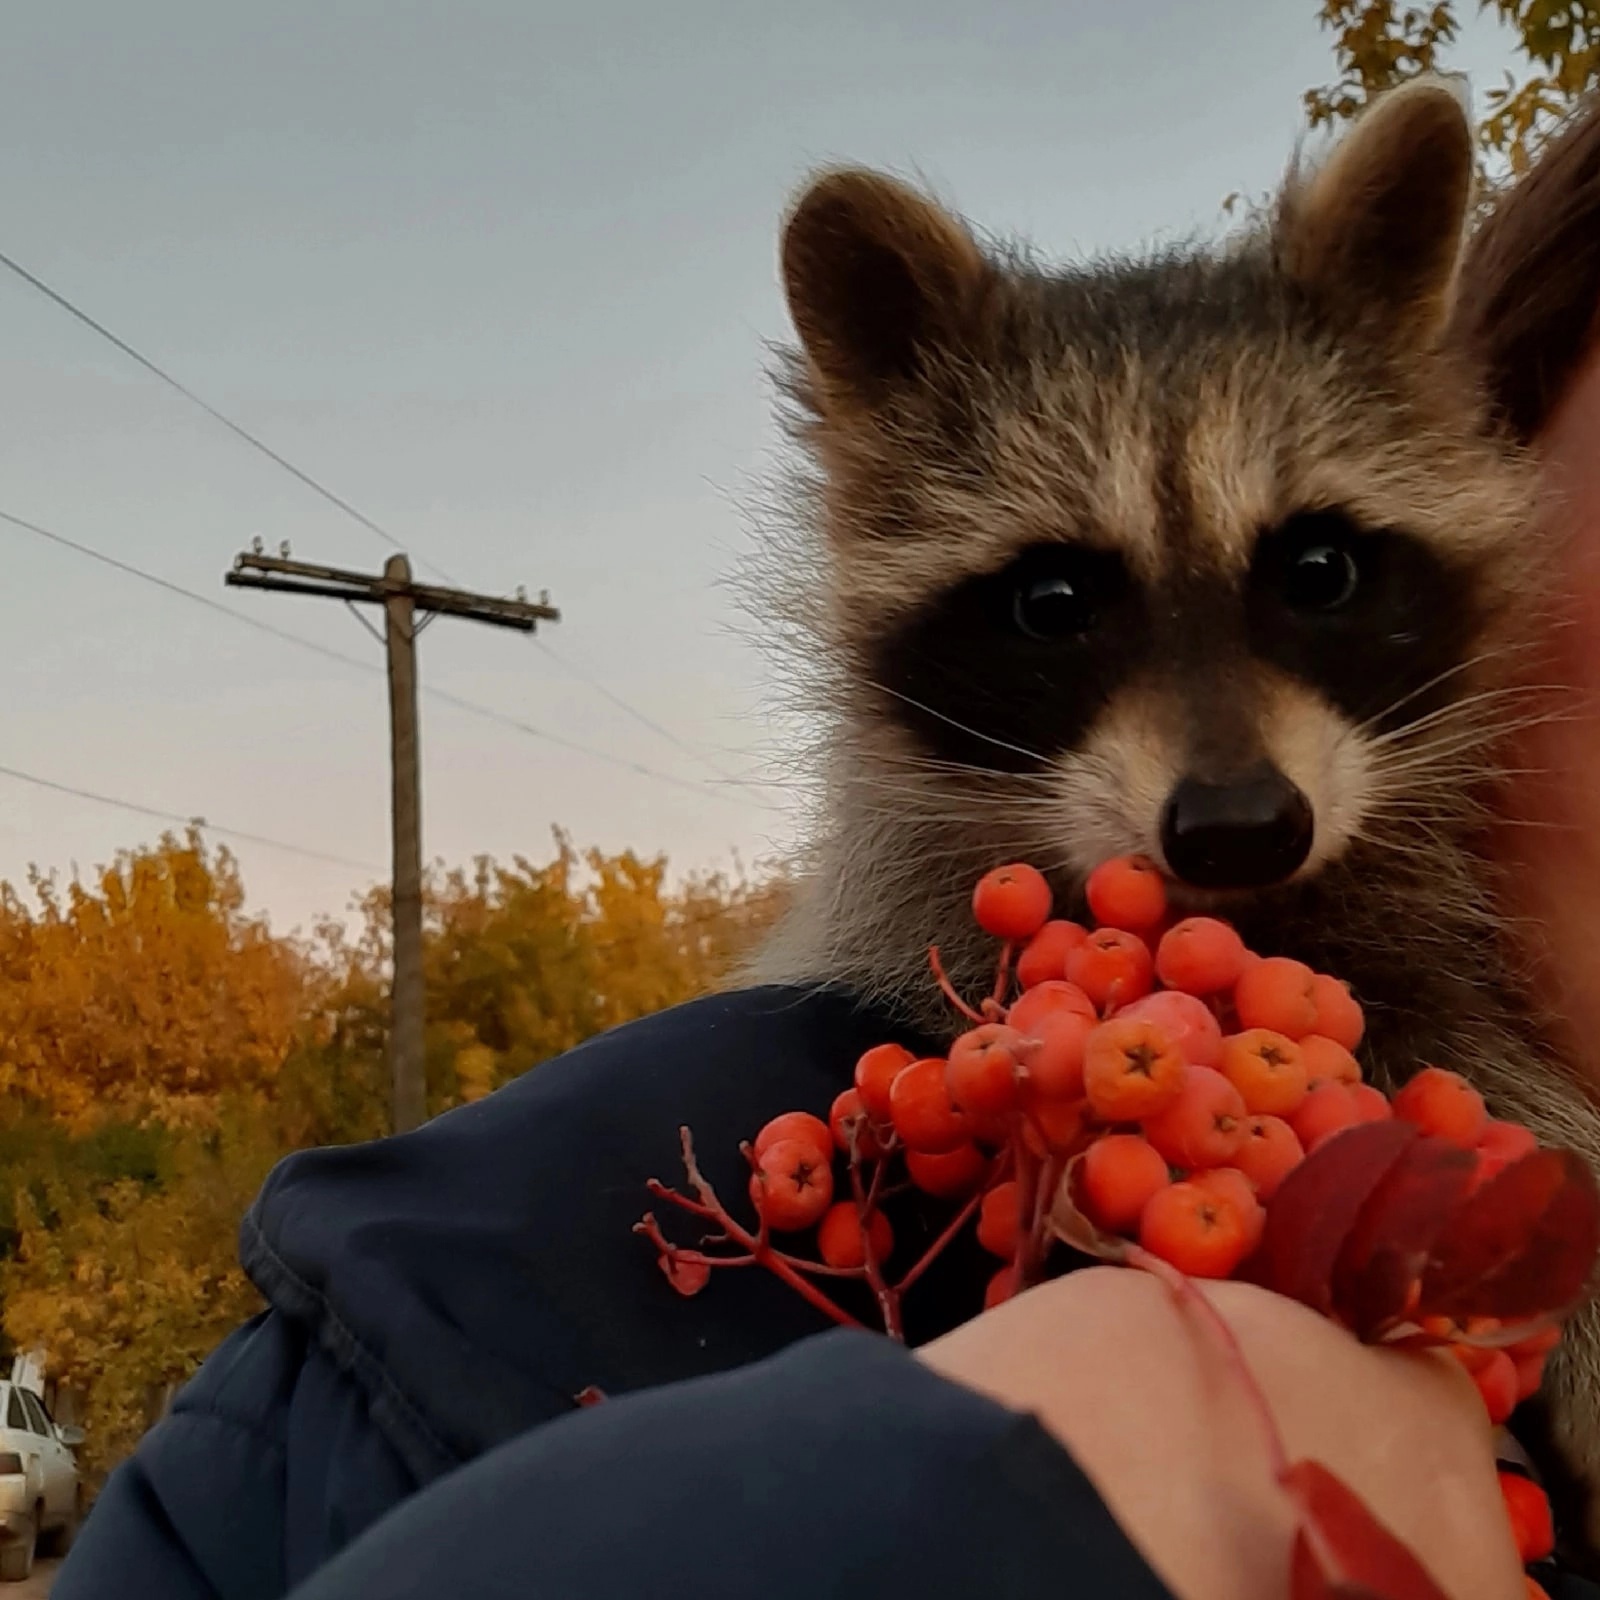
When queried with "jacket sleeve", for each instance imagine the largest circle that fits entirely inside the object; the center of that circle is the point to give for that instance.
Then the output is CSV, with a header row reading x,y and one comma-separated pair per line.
x,y
841,1467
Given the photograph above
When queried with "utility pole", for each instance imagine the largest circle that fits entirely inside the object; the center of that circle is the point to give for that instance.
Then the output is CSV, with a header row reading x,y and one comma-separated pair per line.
x,y
403,600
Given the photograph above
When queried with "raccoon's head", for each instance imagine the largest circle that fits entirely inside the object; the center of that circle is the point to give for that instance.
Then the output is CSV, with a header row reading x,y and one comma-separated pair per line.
x,y
1210,556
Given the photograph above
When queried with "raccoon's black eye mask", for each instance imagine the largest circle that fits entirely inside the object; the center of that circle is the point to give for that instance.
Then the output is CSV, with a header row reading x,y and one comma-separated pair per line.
x,y
1012,667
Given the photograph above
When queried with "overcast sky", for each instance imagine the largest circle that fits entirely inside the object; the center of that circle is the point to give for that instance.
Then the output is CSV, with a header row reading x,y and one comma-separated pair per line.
x,y
499,273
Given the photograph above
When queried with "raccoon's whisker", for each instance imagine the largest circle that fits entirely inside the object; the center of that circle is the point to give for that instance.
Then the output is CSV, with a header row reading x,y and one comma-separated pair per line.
x,y
976,733
1458,709
1434,682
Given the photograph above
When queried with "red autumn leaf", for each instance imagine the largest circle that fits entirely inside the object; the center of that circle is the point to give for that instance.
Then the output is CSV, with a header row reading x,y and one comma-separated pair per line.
x,y
688,1274
1523,1246
1312,1214
1390,1243
1342,1551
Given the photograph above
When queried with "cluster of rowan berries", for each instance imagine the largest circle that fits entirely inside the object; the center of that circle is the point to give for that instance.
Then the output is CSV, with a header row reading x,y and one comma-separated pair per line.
x,y
1140,1090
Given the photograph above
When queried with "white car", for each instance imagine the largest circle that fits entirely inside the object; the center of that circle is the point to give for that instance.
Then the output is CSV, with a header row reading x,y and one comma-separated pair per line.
x,y
41,1497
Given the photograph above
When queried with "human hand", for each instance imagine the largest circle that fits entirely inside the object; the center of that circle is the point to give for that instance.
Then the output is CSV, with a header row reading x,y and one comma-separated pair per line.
x,y
1142,1397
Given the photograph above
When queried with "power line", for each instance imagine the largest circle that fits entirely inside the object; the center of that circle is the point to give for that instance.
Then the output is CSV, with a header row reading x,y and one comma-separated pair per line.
x,y
288,636
243,834
341,504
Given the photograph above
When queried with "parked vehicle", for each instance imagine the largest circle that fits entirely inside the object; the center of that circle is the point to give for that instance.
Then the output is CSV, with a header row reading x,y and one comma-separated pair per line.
x,y
41,1495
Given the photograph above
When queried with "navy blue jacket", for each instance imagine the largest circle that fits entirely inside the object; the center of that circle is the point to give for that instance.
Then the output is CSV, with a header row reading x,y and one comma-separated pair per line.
x,y
403,1421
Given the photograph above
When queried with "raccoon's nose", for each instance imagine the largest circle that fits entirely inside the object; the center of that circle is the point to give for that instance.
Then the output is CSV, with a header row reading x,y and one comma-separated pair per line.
x,y
1246,834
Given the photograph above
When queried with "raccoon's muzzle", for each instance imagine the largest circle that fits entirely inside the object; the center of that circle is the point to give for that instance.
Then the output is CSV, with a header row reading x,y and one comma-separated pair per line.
x,y
1249,833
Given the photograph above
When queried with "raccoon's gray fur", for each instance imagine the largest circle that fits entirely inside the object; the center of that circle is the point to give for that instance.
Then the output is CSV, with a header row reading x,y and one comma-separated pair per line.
x,y
1145,455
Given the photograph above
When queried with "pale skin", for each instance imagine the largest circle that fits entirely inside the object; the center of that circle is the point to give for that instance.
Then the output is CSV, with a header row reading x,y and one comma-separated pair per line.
x,y
1133,1386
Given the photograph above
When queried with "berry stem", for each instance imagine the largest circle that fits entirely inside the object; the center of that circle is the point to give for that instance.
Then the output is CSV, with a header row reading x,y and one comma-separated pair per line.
x,y
956,1224
1187,1295
888,1299
996,1003
948,990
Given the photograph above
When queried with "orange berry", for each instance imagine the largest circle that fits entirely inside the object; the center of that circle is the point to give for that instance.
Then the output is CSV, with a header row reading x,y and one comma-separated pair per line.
x,y
1371,1103
999,1217
1131,1070
1536,1344
849,1115
1200,956
1118,1175
797,1125
1234,1184
1204,1126
1191,1022
1046,954
948,1173
921,1109
1001,1287
1111,967
1051,1126
1053,1059
981,1073
1280,994
1270,1152
1530,1375
1012,902
1500,1144
1200,1232
1339,1015
840,1241
1324,1112
1445,1105
875,1071
791,1187
1267,1069
1328,1061
1497,1383
1045,999
1127,892
1528,1507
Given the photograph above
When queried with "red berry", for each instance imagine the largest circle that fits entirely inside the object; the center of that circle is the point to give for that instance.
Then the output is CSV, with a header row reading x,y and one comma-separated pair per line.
x,y
797,1125
1371,1104
848,1115
1047,998
1012,902
1200,956
1499,1145
921,1109
1002,1286
1200,1232
1530,1375
1270,1152
1127,892
1497,1383
1131,1070
949,1173
791,1187
1280,994
1532,1526
1192,1024
981,1073
1445,1105
1328,1061
875,1071
1324,1112
1051,1126
999,1217
1111,967
1232,1183
1204,1126
1267,1069
1118,1175
1046,955
1053,1059
1338,1011
839,1237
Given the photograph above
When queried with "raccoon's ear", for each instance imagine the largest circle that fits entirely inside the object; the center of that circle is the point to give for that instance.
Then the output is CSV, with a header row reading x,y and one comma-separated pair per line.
x,y
877,277
1379,230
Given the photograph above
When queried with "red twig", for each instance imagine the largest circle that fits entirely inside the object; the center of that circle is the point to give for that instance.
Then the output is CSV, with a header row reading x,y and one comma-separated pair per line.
x,y
1002,979
888,1299
952,1228
949,992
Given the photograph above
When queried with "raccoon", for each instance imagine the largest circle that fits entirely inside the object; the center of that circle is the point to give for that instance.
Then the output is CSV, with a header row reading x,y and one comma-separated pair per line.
x,y
1223,556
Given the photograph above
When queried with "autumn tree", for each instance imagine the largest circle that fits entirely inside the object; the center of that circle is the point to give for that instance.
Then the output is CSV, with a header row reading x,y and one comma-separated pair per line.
x,y
1378,43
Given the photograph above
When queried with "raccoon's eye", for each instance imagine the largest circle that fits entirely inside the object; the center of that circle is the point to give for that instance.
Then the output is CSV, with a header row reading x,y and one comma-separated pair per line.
x,y
1321,577
1062,596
